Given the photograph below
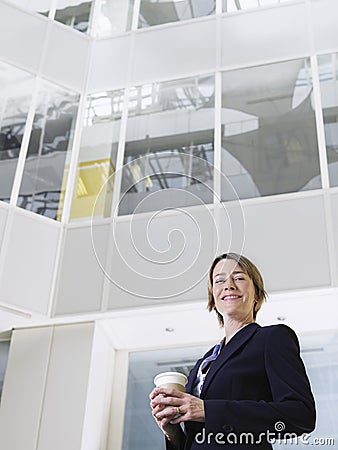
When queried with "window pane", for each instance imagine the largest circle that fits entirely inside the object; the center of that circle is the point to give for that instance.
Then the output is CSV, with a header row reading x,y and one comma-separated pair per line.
x,y
48,152
99,143
115,17
269,142
319,352
4,349
16,87
238,5
169,145
156,13
74,13
140,429
328,76
320,355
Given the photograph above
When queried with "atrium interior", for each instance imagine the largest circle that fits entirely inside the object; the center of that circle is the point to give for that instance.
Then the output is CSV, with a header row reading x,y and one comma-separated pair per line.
x,y
138,140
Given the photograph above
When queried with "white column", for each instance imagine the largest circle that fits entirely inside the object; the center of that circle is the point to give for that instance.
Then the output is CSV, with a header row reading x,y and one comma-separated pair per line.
x,y
57,389
23,389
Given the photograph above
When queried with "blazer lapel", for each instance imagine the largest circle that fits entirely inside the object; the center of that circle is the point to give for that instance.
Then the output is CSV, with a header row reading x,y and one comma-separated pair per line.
x,y
235,343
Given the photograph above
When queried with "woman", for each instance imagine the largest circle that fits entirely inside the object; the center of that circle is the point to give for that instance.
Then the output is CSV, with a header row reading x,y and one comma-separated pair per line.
x,y
249,389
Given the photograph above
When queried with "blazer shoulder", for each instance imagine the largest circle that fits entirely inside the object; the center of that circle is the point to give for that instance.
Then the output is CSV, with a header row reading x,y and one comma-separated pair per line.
x,y
280,336
279,331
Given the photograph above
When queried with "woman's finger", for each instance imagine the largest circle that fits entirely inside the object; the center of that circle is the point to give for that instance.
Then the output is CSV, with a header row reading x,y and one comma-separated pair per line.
x,y
157,409
168,400
169,412
167,392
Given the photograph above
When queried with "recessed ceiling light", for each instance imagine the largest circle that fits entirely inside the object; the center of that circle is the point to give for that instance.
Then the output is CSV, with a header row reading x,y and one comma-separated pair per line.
x,y
170,329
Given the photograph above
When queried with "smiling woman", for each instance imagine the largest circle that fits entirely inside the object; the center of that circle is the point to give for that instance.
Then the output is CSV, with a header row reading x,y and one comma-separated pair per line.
x,y
249,389
230,273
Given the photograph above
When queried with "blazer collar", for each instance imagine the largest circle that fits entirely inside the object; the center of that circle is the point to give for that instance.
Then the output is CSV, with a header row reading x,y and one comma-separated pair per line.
x,y
240,338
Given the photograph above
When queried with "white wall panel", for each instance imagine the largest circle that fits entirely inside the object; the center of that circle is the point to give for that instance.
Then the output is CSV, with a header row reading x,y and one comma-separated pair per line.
x,y
161,258
109,65
3,218
81,278
56,377
23,389
262,35
324,15
287,239
175,51
66,58
66,389
30,254
95,428
22,37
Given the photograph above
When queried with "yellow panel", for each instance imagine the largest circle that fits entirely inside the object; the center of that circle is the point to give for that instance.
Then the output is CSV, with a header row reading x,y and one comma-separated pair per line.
x,y
91,176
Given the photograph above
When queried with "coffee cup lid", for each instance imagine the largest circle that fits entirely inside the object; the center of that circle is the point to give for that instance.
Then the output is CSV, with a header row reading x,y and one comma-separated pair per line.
x,y
170,377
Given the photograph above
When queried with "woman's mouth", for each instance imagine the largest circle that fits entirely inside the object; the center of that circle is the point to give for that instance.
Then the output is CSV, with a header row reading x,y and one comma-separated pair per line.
x,y
231,297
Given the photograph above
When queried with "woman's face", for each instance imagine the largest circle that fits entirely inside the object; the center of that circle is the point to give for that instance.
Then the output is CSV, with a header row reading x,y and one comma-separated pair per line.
x,y
233,291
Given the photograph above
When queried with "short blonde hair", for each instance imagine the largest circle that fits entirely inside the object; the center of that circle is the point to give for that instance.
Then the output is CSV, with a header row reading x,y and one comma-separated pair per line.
x,y
251,270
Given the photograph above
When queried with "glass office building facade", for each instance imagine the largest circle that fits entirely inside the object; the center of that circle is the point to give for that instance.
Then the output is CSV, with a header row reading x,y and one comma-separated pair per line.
x,y
267,123
261,154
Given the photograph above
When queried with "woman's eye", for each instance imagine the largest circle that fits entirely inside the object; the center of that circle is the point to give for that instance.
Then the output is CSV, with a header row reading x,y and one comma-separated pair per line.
x,y
239,278
218,281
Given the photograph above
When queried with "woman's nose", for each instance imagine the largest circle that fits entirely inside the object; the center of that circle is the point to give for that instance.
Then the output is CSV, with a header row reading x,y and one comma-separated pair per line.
x,y
228,284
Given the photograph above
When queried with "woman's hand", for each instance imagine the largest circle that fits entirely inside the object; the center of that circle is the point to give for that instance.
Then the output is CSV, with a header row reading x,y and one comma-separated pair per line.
x,y
170,407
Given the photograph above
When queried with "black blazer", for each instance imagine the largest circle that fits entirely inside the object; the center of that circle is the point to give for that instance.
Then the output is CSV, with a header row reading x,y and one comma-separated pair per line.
x,y
257,384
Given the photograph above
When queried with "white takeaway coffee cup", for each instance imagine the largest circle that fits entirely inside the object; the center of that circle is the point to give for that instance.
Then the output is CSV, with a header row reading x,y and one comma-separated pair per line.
x,y
174,380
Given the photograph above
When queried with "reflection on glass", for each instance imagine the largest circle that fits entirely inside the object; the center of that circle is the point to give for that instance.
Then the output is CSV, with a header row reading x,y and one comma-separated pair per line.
x,y
269,142
328,77
4,349
16,88
156,13
169,144
74,13
115,17
49,147
238,5
99,142
140,430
